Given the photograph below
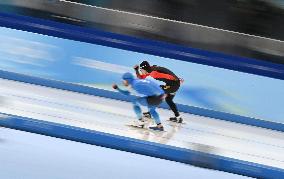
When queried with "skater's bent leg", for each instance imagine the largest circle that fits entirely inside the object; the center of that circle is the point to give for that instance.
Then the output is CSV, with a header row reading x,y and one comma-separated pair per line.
x,y
143,101
137,109
169,100
155,115
136,106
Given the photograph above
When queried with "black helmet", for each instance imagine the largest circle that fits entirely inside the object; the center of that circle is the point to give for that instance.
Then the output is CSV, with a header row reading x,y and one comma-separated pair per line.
x,y
145,66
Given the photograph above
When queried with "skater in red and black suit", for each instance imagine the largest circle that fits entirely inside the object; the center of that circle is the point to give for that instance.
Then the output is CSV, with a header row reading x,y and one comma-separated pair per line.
x,y
172,84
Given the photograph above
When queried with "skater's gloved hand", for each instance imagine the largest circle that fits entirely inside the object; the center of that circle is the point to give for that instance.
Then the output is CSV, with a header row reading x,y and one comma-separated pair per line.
x,y
114,86
164,87
136,67
181,80
165,96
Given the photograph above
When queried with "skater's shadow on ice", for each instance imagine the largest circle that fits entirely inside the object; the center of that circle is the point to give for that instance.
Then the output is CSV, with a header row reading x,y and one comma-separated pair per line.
x,y
171,130
157,136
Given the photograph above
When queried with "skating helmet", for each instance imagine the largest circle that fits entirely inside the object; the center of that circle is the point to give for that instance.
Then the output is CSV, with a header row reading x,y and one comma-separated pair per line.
x,y
145,66
128,76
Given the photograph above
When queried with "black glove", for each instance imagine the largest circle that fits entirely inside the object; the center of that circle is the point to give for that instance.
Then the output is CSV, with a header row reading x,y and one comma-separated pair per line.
x,y
165,87
136,67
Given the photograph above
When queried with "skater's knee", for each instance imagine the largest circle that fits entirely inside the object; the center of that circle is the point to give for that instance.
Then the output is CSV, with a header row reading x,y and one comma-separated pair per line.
x,y
152,109
167,100
136,106
136,102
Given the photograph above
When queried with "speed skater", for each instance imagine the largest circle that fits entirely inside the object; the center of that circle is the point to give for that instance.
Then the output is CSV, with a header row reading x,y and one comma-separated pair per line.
x,y
172,84
152,97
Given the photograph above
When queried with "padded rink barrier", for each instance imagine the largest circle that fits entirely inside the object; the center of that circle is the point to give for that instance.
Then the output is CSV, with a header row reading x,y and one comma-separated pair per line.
x,y
141,147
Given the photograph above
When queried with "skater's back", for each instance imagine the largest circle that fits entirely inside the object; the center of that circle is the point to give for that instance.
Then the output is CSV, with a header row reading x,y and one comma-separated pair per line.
x,y
147,87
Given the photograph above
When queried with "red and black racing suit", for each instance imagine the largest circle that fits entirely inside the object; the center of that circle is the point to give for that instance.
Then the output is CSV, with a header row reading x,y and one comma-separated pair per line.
x,y
172,83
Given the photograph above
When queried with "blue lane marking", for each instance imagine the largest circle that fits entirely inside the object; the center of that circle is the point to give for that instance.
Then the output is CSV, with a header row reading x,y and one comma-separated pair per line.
x,y
141,147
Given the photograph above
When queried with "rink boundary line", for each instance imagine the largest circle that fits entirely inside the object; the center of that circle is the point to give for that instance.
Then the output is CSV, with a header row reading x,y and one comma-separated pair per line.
x,y
118,96
153,47
137,146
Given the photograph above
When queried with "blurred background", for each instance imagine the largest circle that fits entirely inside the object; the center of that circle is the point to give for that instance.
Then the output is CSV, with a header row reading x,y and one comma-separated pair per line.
x,y
248,28
255,17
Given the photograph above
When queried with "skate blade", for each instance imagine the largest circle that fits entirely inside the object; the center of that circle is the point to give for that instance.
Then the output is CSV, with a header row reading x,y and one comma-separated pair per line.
x,y
135,126
176,122
145,128
157,131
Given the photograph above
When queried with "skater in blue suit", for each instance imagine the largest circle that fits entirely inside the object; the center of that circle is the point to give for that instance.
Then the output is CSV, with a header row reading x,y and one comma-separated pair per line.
x,y
152,96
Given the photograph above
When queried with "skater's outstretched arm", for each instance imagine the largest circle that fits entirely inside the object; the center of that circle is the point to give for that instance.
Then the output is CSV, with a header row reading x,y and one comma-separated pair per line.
x,y
125,92
140,76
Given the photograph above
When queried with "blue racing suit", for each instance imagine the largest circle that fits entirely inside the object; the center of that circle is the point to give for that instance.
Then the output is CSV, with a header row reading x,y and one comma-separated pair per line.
x,y
152,96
